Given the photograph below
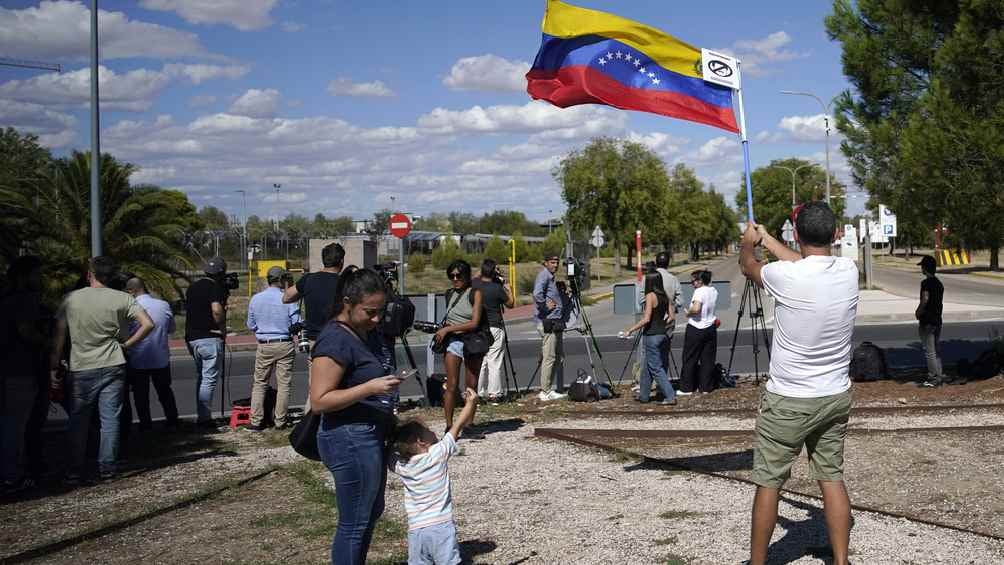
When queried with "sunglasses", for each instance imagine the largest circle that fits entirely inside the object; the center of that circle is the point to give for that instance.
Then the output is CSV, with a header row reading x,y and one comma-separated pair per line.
x,y
456,277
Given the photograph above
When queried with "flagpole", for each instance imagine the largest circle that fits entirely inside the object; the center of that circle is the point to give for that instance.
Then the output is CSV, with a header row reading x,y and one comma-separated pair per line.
x,y
746,148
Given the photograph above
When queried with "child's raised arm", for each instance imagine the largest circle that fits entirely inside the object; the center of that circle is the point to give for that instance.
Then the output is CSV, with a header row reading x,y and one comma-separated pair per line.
x,y
467,414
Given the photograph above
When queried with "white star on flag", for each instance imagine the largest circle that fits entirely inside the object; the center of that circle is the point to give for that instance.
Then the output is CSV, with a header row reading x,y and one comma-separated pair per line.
x,y
655,81
642,70
651,75
603,61
637,62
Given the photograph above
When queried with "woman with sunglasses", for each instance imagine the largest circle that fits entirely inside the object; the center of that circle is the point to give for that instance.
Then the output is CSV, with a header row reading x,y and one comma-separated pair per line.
x,y
350,387
464,316
701,340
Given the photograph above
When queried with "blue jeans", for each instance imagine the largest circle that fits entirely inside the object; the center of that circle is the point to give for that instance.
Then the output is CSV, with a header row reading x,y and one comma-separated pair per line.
x,y
434,545
354,453
103,388
208,355
656,349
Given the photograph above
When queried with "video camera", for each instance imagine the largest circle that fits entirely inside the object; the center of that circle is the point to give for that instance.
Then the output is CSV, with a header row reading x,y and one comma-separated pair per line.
x,y
389,273
575,270
399,313
231,281
300,334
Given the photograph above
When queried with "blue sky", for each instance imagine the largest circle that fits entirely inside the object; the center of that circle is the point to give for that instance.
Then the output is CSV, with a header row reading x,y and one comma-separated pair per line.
x,y
347,104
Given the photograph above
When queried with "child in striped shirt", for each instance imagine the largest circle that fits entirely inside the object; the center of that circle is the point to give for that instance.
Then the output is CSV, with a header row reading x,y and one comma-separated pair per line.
x,y
420,460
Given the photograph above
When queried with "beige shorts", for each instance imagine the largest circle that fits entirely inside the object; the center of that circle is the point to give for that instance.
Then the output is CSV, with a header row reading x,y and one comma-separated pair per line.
x,y
785,424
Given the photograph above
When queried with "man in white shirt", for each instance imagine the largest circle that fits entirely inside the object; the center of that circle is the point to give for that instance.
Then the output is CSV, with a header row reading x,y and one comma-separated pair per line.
x,y
807,399
150,360
700,342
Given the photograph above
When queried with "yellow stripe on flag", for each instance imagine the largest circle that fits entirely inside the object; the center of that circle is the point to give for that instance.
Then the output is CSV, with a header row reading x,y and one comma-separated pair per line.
x,y
565,20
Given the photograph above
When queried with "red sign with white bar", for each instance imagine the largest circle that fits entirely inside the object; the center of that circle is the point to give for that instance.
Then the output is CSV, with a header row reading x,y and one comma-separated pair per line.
x,y
400,226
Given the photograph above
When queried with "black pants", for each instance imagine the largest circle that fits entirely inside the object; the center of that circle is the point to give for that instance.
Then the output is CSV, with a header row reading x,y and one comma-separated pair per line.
x,y
139,381
699,348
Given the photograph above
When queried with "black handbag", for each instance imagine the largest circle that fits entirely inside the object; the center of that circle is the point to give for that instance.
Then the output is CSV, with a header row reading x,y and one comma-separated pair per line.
x,y
478,342
303,438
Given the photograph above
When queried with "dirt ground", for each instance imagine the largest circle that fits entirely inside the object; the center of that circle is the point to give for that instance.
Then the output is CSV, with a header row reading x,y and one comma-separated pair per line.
x,y
287,515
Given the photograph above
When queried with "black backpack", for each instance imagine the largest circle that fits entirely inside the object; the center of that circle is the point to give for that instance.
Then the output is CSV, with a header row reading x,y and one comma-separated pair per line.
x,y
398,317
868,363
583,389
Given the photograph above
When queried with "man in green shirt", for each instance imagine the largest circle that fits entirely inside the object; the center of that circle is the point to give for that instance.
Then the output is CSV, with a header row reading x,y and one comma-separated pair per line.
x,y
97,319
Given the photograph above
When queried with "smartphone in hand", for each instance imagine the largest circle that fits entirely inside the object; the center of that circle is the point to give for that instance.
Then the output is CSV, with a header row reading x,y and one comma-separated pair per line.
x,y
405,374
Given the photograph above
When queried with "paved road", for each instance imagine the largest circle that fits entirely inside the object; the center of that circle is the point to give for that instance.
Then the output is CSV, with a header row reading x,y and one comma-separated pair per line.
x,y
959,288
900,341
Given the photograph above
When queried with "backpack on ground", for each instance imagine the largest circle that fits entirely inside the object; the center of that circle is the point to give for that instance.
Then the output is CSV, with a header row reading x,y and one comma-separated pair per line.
x,y
583,389
868,363
725,380
985,366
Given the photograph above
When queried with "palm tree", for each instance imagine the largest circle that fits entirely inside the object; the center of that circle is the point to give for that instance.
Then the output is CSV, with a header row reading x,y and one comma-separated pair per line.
x,y
144,227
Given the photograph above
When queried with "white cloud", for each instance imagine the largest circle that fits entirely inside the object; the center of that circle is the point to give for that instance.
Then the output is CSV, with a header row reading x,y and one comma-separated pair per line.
x,y
757,55
535,116
60,30
133,90
345,87
54,129
197,74
256,103
805,128
488,72
291,27
662,144
242,14
716,150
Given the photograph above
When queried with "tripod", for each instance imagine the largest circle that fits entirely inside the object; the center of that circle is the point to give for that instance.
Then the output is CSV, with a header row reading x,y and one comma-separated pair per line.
x,y
634,347
587,332
757,325
507,365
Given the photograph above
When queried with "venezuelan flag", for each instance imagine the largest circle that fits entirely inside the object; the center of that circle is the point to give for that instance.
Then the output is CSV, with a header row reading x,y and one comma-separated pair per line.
x,y
591,57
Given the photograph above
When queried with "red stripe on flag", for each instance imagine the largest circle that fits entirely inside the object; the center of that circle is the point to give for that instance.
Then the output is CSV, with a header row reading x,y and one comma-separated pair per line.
x,y
571,86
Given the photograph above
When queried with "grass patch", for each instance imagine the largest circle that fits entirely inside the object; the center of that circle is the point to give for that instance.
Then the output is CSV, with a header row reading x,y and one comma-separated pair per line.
x,y
678,514
674,559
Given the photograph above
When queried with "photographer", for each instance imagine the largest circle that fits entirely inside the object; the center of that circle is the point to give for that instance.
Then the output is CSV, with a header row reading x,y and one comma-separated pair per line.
x,y
496,294
550,327
670,284
317,290
205,328
464,335
270,320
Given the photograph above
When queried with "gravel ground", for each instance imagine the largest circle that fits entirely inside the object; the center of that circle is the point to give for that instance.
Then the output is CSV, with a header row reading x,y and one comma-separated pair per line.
x,y
529,500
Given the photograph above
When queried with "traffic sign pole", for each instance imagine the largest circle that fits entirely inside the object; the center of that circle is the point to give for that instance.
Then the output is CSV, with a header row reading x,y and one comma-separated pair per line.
x,y
400,227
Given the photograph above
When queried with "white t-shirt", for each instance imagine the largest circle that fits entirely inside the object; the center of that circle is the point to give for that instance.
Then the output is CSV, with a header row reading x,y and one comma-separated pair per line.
x,y
426,478
708,297
815,302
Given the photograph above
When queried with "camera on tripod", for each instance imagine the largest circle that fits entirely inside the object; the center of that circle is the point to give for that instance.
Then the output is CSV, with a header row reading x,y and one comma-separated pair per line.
x,y
230,281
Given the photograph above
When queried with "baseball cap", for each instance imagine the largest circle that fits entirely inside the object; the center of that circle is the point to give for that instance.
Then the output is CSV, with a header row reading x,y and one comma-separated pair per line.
x,y
928,262
216,266
275,273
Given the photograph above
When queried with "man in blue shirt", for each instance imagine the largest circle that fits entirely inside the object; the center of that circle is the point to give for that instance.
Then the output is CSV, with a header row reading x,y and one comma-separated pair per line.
x,y
550,327
150,359
270,319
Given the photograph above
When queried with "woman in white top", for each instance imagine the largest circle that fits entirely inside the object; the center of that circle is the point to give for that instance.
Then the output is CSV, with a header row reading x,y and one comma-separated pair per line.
x,y
701,340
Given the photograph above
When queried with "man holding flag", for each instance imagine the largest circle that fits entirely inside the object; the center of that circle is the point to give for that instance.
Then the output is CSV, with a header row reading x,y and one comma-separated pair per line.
x,y
591,57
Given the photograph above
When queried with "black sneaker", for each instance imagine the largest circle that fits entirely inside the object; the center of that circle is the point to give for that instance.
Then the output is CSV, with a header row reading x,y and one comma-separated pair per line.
x,y
107,475
253,428
931,383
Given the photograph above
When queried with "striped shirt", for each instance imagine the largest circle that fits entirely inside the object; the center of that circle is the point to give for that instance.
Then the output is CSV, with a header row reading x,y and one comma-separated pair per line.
x,y
426,479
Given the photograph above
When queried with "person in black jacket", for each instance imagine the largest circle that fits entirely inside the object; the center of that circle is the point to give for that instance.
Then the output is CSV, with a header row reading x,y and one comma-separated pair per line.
x,y
932,294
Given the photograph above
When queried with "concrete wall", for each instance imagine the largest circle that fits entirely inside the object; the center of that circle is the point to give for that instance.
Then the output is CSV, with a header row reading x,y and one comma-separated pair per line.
x,y
360,252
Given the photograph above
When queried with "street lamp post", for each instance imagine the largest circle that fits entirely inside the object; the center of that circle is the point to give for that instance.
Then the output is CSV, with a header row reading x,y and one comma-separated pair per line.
x,y
244,227
276,186
793,172
826,118
96,219
549,222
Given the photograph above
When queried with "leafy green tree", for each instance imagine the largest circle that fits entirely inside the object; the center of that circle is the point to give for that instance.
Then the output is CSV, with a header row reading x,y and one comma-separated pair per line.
x,y
146,229
447,251
618,185
497,250
417,263
554,244
381,221
923,122
772,188
23,165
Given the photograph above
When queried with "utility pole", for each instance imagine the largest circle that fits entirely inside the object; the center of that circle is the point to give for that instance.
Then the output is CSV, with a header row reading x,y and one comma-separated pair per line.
x,y
276,186
96,223
826,118
244,230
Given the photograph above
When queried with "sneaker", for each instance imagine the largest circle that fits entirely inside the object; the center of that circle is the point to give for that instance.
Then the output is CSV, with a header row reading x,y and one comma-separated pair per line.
x,y
667,402
543,396
555,395
256,428
107,475
494,400
931,383
684,393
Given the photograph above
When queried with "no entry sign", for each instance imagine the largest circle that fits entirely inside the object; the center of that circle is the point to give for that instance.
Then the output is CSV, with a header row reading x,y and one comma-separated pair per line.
x,y
400,225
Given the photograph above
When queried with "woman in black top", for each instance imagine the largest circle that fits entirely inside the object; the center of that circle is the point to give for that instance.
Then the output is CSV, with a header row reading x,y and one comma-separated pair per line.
x,y
349,386
657,320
